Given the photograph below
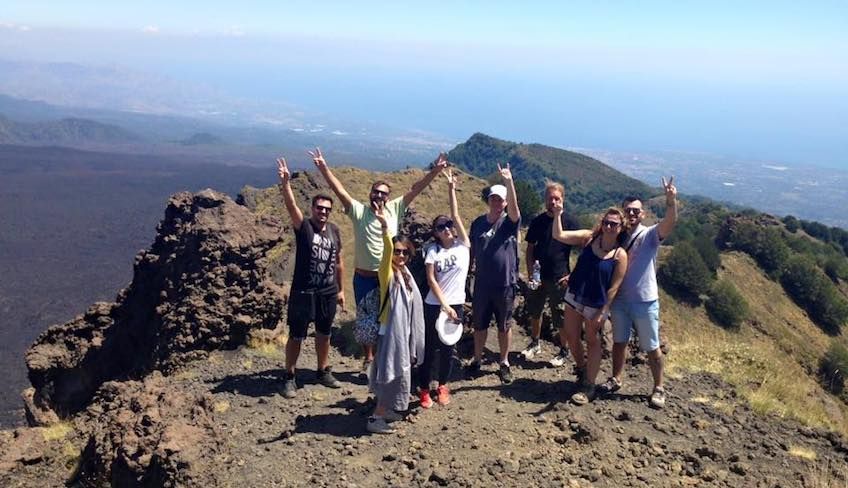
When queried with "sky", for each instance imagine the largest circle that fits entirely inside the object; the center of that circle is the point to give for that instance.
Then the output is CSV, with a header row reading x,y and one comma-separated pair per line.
x,y
755,79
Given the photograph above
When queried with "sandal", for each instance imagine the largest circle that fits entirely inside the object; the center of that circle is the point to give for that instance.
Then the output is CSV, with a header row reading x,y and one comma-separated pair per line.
x,y
611,385
584,396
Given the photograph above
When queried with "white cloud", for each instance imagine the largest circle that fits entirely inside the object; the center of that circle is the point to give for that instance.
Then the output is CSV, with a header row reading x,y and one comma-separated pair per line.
x,y
150,29
24,28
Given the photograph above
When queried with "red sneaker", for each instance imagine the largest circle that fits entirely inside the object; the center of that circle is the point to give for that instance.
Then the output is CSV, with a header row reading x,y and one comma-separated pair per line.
x,y
443,396
426,401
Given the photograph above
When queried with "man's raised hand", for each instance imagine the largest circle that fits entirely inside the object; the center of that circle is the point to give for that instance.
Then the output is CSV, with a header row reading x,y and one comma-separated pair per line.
x,y
505,172
669,188
283,171
441,162
318,158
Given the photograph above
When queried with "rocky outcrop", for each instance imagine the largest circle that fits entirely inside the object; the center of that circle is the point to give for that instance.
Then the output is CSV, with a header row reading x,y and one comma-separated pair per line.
x,y
147,434
203,285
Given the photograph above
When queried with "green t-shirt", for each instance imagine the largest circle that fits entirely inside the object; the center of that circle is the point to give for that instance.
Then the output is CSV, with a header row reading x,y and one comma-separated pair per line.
x,y
369,236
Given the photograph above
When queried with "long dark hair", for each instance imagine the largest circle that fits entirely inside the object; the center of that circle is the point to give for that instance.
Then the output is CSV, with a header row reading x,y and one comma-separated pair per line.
x,y
410,247
622,234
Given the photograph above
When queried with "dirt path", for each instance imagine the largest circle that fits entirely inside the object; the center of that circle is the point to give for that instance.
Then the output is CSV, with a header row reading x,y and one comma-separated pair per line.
x,y
523,434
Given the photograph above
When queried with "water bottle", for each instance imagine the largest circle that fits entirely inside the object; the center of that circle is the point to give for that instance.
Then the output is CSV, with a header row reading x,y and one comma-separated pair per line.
x,y
536,277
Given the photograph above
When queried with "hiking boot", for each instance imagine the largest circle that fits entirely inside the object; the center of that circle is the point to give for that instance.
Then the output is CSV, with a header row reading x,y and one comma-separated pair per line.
x,y
472,368
611,385
658,397
392,416
289,386
443,395
534,348
424,397
505,374
584,396
561,358
366,369
378,425
326,378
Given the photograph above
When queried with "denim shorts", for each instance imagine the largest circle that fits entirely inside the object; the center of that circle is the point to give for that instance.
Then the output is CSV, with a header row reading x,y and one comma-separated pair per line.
x,y
642,316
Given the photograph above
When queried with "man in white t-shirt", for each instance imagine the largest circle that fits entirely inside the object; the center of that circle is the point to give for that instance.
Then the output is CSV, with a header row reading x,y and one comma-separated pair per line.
x,y
637,304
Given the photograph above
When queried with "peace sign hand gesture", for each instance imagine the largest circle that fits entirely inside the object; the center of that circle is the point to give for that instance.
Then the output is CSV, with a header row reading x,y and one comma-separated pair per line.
x,y
670,189
283,171
441,162
318,158
450,177
505,172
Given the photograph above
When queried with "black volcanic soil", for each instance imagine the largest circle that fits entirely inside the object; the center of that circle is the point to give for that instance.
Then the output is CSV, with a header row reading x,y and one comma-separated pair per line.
x,y
524,434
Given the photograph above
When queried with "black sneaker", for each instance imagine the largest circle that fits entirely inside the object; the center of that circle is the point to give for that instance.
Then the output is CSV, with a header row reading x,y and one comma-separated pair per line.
x,y
326,378
561,358
472,368
505,374
289,386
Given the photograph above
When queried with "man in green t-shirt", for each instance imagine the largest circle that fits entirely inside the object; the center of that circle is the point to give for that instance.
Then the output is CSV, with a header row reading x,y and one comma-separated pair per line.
x,y
367,231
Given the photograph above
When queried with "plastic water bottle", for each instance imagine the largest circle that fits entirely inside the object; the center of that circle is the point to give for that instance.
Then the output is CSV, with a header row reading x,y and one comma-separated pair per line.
x,y
536,277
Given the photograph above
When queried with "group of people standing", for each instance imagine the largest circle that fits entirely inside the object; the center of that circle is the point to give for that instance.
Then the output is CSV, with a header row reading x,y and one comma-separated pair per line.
x,y
614,278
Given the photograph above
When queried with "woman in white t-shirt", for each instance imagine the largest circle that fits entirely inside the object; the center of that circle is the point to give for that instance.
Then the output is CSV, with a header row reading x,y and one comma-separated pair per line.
x,y
447,262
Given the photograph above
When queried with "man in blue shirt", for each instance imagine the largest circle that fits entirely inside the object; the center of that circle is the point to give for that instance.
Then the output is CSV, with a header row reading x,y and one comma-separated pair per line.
x,y
637,303
494,254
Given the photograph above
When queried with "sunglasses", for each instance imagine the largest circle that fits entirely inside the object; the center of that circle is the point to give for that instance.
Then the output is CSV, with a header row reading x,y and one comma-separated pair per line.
x,y
321,208
380,193
445,225
610,223
401,252
632,211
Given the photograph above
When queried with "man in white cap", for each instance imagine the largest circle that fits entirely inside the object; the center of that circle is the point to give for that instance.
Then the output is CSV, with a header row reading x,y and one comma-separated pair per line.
x,y
494,253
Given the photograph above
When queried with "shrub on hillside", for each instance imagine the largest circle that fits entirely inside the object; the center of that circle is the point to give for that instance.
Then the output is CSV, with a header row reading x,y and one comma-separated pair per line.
x,y
834,368
792,224
765,245
709,253
685,272
836,268
813,290
726,306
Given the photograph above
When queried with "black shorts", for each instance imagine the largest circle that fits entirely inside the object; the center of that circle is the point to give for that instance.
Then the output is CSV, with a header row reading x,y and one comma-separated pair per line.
x,y
310,306
493,301
549,291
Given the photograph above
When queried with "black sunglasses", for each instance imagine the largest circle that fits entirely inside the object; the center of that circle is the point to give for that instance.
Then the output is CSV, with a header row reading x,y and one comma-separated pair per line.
x,y
380,192
401,252
322,208
610,223
632,211
444,225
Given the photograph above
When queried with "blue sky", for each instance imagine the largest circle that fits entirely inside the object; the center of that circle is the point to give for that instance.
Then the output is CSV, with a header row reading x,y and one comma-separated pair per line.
x,y
755,79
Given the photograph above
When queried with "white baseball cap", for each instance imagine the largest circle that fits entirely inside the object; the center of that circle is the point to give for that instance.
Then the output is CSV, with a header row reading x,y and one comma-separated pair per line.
x,y
498,190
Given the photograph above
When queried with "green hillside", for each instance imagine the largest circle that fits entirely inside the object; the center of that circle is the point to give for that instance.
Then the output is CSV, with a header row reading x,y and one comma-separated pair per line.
x,y
589,183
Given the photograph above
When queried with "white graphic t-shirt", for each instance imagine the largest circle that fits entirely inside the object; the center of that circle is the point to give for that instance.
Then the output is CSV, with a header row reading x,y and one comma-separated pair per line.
x,y
450,267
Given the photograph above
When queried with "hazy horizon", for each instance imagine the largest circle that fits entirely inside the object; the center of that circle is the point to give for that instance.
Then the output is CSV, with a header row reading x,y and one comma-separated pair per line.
x,y
763,80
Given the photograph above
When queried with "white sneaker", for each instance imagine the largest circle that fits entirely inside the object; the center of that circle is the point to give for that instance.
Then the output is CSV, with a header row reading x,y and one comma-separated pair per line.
x,y
378,425
534,348
560,359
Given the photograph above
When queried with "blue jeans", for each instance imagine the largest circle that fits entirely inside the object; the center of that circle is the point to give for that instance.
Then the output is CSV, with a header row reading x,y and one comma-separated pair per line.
x,y
643,316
